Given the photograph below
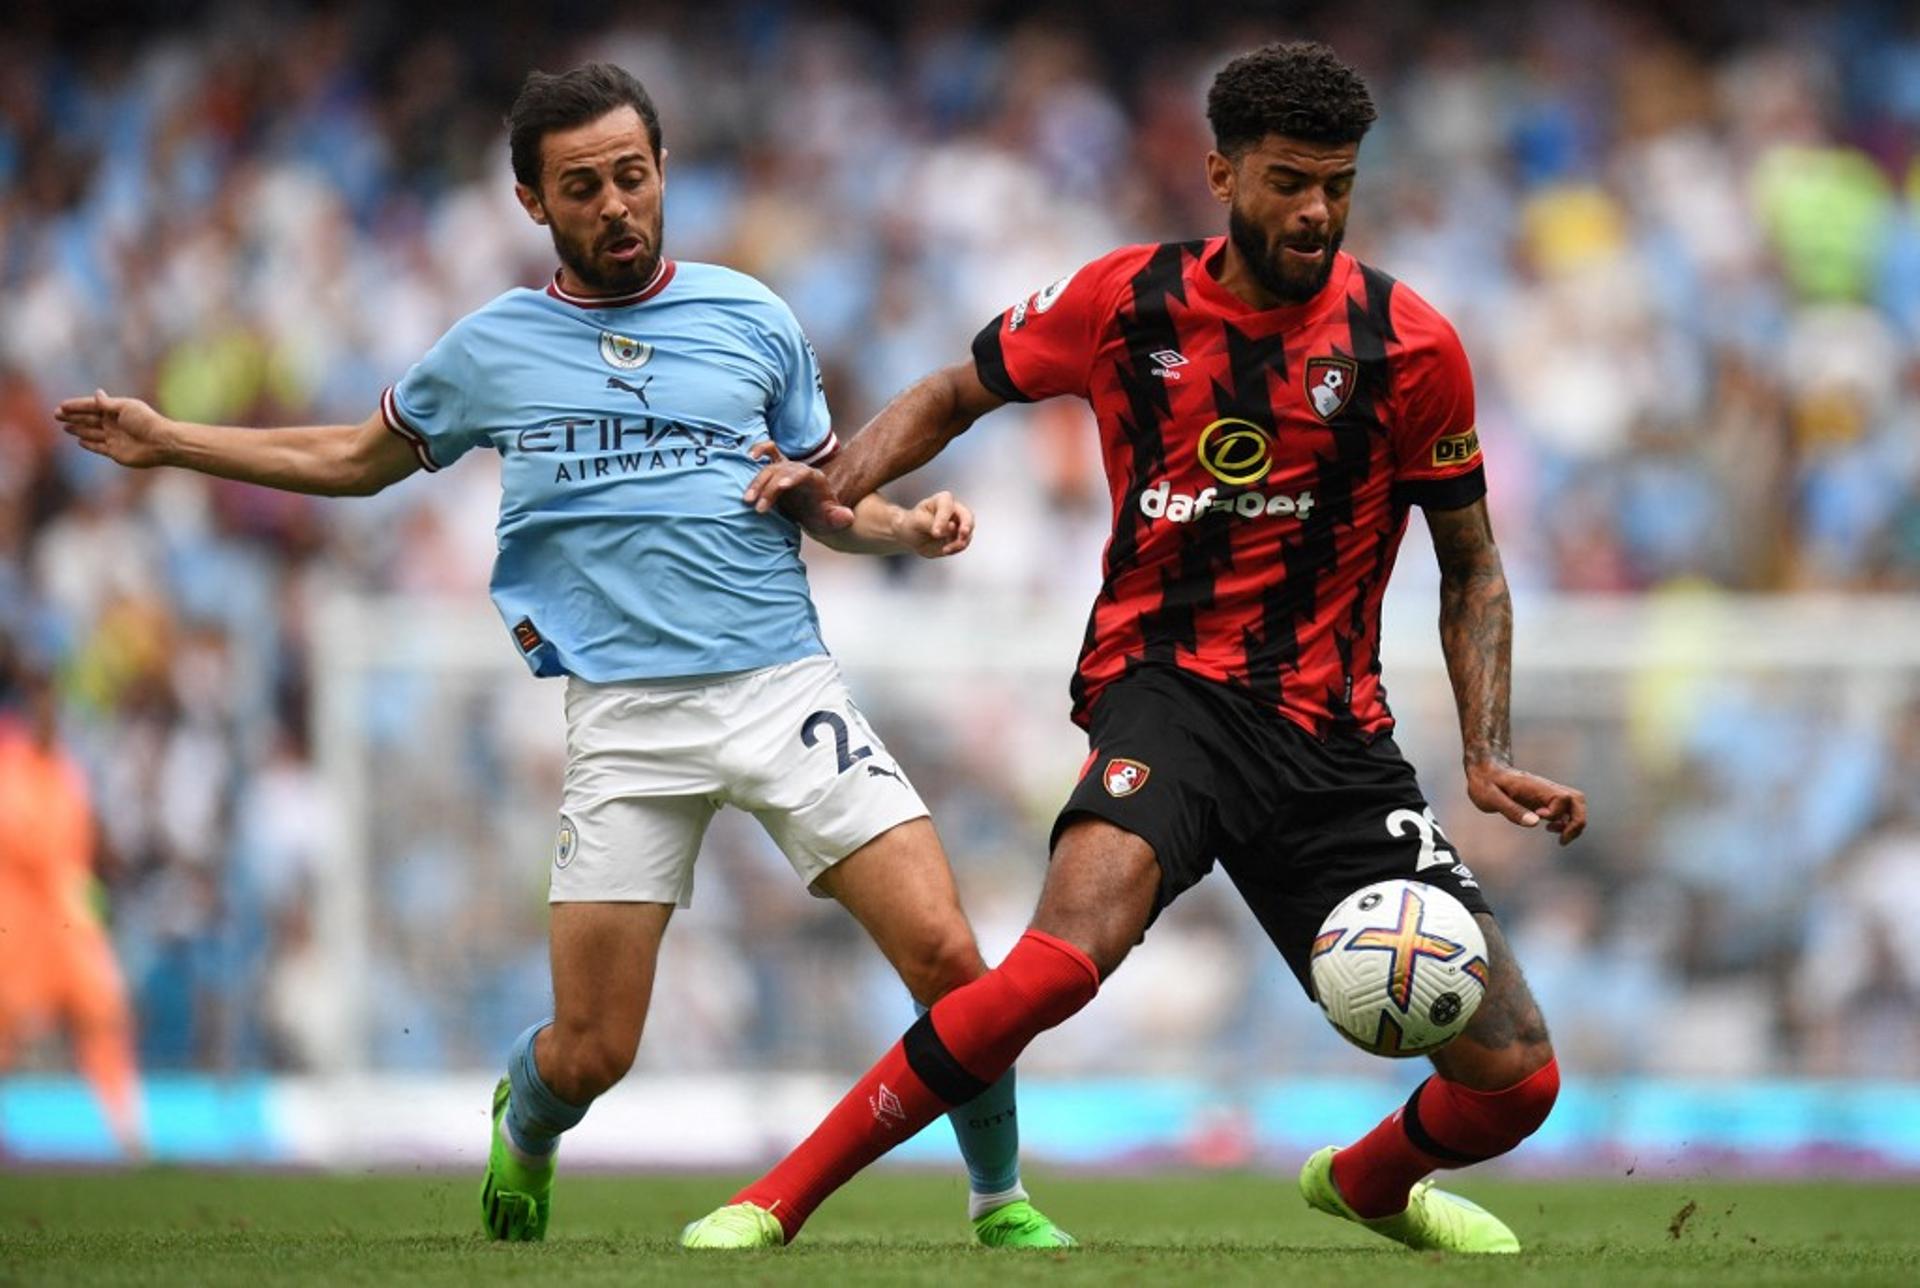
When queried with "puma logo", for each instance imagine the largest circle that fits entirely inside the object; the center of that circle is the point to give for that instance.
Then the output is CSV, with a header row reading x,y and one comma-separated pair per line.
x,y
638,391
881,771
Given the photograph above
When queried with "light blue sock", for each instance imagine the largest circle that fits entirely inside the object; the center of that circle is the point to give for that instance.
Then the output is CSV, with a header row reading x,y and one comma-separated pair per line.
x,y
535,1116
989,1136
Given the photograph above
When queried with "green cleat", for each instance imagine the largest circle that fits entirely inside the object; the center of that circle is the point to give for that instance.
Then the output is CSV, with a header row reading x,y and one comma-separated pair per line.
x,y
1020,1224
737,1225
517,1196
1433,1221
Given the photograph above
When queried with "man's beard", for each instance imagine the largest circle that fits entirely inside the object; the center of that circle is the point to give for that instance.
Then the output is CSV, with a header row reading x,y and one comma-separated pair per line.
x,y
587,261
1267,263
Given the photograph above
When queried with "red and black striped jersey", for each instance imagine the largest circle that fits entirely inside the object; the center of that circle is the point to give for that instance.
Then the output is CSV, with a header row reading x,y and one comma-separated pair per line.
x,y
1261,465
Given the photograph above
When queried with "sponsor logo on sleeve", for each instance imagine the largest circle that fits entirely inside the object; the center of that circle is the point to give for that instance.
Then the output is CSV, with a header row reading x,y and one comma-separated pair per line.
x,y
1035,305
1051,296
1457,449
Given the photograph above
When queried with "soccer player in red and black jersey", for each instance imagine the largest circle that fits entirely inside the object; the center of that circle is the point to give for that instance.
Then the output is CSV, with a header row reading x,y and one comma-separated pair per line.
x,y
1269,410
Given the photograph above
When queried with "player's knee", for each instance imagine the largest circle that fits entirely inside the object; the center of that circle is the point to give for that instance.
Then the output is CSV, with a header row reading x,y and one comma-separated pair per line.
x,y
1491,1069
1540,1089
942,963
1522,1106
1102,884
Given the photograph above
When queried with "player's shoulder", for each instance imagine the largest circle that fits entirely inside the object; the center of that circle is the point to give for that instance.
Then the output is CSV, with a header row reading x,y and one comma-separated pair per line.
x,y
1103,284
501,318
719,285
740,304
1125,263
1418,324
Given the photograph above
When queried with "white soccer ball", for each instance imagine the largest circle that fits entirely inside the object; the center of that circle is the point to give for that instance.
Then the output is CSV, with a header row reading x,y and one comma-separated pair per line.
x,y
1399,967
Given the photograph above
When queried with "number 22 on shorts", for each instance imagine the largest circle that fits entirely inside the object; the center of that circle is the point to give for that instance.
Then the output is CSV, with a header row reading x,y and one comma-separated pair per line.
x,y
1435,849
844,757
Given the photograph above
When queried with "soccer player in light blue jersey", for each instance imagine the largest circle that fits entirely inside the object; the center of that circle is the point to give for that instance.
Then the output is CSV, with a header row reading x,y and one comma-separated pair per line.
x,y
656,423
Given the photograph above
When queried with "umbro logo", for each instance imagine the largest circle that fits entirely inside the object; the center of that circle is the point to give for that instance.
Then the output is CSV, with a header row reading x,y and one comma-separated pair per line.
x,y
886,1106
1169,361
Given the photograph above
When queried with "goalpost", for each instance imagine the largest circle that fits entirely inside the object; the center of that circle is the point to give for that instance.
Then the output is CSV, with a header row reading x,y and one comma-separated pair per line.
x,y
442,759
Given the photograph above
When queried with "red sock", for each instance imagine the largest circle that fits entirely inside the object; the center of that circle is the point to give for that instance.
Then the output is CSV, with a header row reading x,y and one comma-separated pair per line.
x,y
955,1051
1443,1124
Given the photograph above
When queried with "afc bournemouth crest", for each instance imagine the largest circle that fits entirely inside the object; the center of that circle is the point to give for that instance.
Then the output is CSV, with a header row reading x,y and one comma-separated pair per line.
x,y
624,353
1124,777
1330,383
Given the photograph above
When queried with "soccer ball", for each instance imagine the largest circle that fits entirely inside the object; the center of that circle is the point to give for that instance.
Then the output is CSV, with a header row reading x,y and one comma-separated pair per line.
x,y
1399,967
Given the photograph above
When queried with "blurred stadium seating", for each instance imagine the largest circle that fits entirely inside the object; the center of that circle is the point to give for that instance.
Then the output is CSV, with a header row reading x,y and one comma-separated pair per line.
x,y
1683,251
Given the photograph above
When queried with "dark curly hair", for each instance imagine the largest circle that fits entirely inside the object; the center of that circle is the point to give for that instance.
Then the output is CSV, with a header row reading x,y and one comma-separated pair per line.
x,y
550,101
1298,89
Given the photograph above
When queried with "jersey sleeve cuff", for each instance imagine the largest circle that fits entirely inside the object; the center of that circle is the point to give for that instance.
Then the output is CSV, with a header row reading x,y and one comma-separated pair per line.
x,y
390,412
990,361
819,455
1453,493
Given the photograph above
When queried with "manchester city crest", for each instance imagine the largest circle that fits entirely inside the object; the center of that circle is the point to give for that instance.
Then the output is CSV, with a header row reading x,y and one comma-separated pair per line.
x,y
566,843
623,352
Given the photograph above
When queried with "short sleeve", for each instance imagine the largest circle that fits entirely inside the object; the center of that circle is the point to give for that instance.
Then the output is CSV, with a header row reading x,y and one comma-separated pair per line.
x,y
1436,446
1044,345
432,406
797,418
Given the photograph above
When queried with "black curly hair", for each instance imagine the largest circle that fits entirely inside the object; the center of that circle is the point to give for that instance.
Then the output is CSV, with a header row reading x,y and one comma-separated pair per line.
x,y
1298,89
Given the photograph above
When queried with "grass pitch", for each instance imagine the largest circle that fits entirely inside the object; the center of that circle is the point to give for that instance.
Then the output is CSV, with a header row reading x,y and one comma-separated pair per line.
x,y
172,1227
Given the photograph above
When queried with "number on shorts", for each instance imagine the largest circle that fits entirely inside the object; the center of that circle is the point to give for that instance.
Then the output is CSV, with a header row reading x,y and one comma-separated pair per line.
x,y
1433,854
810,735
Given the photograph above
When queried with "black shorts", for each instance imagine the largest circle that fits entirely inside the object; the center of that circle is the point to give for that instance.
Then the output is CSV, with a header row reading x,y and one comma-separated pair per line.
x,y
1202,772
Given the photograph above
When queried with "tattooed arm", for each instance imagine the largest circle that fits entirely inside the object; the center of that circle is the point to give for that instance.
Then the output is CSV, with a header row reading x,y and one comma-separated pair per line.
x,y
1476,634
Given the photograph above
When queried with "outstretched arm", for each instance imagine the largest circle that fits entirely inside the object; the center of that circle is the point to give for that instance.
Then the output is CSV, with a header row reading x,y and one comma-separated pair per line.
x,y
911,430
326,460
1476,634
936,527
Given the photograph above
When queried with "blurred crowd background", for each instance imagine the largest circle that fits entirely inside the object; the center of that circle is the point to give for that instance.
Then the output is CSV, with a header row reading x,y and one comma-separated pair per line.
x,y
1683,249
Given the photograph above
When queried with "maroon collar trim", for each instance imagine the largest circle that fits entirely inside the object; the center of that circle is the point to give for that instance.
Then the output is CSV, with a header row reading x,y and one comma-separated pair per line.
x,y
662,274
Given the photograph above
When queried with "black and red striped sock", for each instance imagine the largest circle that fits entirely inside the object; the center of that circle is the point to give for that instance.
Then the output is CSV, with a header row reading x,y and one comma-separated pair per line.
x,y
1443,1124
954,1052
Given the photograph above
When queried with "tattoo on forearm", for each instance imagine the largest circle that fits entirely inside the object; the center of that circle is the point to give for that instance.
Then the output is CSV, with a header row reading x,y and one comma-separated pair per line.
x,y
1476,629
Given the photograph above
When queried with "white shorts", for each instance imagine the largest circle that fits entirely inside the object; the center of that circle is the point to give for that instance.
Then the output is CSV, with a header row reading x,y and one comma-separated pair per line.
x,y
649,764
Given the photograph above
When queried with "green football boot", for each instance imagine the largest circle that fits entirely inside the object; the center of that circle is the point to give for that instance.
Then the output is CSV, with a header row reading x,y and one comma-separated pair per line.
x,y
1434,1220
517,1197
1020,1224
737,1225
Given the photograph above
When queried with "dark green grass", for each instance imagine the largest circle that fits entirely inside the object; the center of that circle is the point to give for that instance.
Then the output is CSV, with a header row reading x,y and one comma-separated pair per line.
x,y
173,1227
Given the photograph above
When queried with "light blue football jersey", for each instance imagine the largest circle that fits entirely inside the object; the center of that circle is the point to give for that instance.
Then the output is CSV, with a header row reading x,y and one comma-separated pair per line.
x,y
624,549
